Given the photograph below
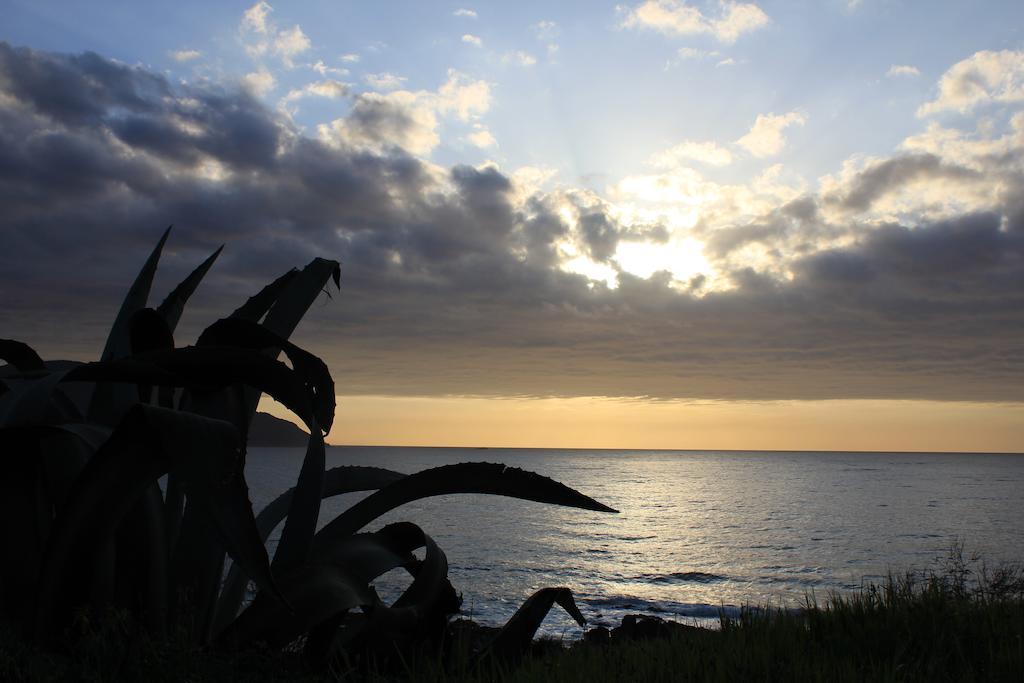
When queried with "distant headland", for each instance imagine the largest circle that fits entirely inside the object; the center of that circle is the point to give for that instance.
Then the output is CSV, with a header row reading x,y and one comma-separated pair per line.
x,y
273,432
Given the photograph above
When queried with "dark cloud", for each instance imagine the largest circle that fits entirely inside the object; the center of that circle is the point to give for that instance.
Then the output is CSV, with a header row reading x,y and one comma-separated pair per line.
x,y
795,224
892,175
450,282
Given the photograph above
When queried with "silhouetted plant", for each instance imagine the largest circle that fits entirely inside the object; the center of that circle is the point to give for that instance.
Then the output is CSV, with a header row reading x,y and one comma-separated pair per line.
x,y
87,526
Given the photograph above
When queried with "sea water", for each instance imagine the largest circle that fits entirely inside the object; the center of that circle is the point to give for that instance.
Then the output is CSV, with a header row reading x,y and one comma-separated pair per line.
x,y
698,532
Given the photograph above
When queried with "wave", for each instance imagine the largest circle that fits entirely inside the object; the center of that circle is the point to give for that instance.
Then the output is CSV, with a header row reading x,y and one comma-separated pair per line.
x,y
622,604
682,577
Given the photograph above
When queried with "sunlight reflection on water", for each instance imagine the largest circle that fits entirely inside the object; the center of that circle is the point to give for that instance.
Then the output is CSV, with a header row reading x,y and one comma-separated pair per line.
x,y
696,530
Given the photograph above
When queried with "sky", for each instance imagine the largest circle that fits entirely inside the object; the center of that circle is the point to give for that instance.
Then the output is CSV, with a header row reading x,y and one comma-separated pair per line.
x,y
659,224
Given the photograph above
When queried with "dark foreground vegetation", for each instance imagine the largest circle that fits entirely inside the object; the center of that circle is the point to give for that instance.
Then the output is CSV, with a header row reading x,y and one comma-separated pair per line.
x,y
97,550
962,624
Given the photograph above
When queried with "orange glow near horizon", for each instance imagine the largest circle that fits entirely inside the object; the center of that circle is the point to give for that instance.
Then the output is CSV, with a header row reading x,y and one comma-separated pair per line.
x,y
839,425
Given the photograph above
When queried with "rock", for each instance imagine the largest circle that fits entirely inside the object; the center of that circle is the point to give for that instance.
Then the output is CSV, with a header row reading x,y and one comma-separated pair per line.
x,y
599,635
646,627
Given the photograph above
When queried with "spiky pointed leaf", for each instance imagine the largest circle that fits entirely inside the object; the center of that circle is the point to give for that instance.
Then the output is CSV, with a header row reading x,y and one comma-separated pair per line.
x,y
337,481
315,593
118,342
474,477
174,305
110,401
22,356
289,307
516,635
258,304
148,443
250,335
297,536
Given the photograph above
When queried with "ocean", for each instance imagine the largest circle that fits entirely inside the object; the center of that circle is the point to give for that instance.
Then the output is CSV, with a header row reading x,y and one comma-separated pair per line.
x,y
698,532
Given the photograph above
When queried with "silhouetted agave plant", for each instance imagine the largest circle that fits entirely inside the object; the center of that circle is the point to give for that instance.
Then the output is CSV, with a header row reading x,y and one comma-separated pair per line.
x,y
86,524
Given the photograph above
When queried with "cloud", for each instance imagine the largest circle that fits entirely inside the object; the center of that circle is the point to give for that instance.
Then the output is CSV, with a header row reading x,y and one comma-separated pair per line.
x,y
704,152
692,53
380,121
886,177
765,137
329,89
545,30
676,18
264,37
475,41
350,57
291,43
902,70
467,13
984,77
255,18
384,81
519,58
407,119
459,280
185,55
259,82
482,138
325,70
465,97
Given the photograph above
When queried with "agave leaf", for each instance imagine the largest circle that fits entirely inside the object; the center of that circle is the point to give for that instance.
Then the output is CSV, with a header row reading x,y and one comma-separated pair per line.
x,y
149,442
422,609
141,562
300,525
258,304
118,342
246,334
516,635
92,435
472,477
19,509
293,302
251,335
316,593
293,550
207,368
110,401
424,596
174,305
31,402
290,305
20,355
337,480
148,331
64,451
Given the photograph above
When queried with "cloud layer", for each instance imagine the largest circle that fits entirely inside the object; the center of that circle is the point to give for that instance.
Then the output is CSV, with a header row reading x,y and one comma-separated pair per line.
x,y
900,277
